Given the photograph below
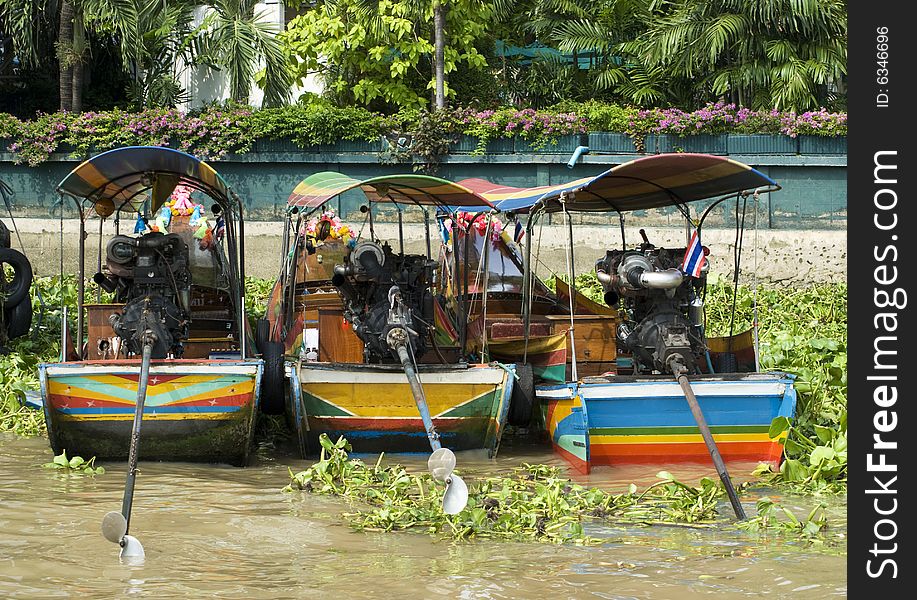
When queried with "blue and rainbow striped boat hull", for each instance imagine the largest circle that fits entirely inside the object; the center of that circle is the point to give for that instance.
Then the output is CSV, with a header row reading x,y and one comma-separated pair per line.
x,y
201,411
619,419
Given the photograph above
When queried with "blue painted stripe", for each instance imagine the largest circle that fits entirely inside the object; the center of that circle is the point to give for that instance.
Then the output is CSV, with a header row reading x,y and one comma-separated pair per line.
x,y
674,412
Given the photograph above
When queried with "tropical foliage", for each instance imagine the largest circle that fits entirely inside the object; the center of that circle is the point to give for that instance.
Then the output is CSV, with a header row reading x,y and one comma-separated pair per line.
x,y
154,41
380,53
783,54
768,54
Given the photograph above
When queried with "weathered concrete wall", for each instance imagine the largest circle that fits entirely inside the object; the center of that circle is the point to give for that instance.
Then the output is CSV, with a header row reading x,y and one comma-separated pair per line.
x,y
784,257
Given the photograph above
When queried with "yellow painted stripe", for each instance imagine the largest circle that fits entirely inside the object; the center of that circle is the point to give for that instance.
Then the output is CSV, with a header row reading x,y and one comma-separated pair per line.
x,y
677,439
394,400
153,391
153,417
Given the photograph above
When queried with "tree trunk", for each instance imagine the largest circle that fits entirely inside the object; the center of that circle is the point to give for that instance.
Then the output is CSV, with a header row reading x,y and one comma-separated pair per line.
x,y
439,53
64,55
79,49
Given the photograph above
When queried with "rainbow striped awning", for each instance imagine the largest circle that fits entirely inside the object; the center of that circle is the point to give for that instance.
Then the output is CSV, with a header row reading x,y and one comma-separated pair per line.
x,y
128,177
317,189
651,182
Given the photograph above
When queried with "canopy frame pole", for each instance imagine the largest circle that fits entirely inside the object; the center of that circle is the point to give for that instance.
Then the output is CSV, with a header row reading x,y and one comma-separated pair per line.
x,y
486,260
571,291
623,236
400,228
243,322
81,285
99,261
426,228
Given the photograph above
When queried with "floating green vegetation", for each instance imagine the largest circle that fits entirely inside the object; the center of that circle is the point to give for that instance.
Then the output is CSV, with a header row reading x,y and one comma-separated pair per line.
x,y
774,517
74,466
533,503
822,470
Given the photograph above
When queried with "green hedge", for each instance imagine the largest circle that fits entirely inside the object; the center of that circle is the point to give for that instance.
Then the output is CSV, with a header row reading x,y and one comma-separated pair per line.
x,y
216,131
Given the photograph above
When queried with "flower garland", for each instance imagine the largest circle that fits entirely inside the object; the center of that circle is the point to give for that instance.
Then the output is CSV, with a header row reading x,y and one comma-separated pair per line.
x,y
337,229
473,222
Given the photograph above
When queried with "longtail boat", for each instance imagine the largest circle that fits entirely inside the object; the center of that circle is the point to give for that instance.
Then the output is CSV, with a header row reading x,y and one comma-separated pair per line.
x,y
370,333
166,321
626,403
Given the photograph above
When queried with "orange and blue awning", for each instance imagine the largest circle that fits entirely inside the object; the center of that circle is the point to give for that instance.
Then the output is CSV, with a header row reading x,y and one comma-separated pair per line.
x,y
423,190
128,177
652,182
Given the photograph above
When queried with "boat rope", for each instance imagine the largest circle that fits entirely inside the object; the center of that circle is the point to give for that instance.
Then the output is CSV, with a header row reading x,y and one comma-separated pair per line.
x,y
530,287
485,260
571,288
754,279
737,261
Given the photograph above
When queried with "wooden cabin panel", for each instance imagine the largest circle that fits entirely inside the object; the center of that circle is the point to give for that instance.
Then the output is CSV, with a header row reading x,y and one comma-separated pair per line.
x,y
594,336
99,343
201,348
336,340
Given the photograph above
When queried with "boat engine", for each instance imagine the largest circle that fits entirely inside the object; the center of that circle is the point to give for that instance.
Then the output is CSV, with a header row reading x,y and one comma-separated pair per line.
x,y
386,294
151,276
664,314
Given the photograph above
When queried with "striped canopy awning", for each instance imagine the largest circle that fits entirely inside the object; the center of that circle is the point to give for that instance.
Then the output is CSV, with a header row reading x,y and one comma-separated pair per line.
x,y
128,177
317,189
651,182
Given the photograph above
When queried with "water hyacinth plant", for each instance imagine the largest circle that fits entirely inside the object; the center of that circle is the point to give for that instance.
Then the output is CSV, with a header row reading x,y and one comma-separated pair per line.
x,y
533,503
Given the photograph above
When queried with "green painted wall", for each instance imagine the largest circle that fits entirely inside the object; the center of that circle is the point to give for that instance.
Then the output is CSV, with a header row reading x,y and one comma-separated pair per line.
x,y
814,194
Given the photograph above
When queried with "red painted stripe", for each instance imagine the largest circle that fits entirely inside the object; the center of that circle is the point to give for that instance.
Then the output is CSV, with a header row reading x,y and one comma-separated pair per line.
x,y
58,400
160,379
234,400
548,359
579,465
611,454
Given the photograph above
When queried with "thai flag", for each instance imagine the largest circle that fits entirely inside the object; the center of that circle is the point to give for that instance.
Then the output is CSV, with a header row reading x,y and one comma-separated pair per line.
x,y
694,257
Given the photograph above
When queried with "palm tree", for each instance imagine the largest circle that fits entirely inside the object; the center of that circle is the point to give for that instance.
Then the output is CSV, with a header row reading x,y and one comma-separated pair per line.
x,y
165,39
28,23
783,54
237,41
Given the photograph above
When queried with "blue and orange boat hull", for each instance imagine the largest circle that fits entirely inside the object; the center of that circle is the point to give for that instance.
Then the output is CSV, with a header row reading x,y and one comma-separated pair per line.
x,y
616,420
199,411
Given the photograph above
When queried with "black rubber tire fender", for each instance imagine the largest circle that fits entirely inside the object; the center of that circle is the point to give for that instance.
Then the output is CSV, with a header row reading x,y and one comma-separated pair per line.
x,y
273,398
522,401
18,320
4,236
15,290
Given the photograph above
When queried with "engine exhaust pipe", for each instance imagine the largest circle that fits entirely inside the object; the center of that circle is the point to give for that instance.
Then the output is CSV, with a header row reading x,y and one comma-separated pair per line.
x,y
661,280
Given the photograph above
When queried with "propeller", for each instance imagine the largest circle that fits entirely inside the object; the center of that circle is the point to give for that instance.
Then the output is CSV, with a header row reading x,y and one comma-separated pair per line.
x,y
441,464
116,524
442,461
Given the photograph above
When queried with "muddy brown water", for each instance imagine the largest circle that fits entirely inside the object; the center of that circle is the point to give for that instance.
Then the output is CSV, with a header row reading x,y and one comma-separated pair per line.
x,y
224,532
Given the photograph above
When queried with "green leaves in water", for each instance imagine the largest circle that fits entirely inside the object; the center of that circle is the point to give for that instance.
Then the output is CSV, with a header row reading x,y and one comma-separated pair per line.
x,y
74,466
533,503
820,463
772,516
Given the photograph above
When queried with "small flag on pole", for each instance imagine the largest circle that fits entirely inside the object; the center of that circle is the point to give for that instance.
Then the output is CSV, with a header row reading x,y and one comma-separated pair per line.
x,y
694,257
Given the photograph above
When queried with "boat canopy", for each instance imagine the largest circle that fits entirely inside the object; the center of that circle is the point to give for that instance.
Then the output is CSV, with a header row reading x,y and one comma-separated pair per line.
x,y
652,182
317,189
125,178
